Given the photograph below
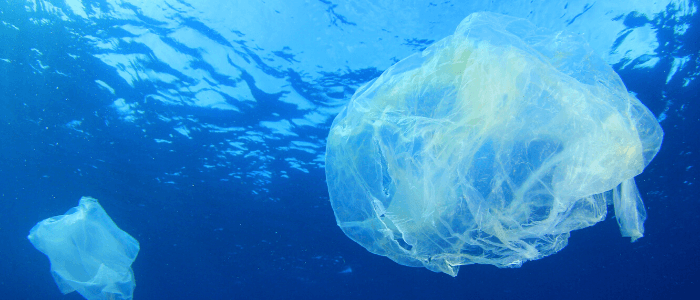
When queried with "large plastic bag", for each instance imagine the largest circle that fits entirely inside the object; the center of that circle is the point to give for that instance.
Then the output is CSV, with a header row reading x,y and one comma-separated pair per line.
x,y
488,147
88,252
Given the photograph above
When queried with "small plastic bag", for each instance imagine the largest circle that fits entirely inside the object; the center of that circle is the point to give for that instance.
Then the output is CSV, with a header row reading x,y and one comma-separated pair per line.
x,y
88,252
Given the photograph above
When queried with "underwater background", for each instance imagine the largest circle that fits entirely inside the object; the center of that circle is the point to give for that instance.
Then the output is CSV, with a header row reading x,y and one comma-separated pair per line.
x,y
200,126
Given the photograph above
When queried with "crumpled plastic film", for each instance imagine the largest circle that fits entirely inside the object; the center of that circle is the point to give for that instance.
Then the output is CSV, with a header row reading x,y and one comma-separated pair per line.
x,y
488,147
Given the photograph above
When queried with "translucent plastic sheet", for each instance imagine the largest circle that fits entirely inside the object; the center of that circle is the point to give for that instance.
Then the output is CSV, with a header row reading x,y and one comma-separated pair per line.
x,y
488,147
88,252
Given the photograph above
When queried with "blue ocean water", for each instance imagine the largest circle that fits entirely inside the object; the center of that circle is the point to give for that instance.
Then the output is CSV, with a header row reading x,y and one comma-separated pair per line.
x,y
201,125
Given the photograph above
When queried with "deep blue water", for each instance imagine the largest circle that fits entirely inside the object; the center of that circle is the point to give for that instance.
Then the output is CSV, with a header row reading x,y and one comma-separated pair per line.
x,y
200,126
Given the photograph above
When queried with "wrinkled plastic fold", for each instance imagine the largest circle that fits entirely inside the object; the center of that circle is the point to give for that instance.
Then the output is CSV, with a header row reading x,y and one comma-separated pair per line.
x,y
488,147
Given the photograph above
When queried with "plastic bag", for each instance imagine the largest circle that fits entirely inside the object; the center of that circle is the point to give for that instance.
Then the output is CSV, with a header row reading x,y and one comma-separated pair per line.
x,y
488,147
88,252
